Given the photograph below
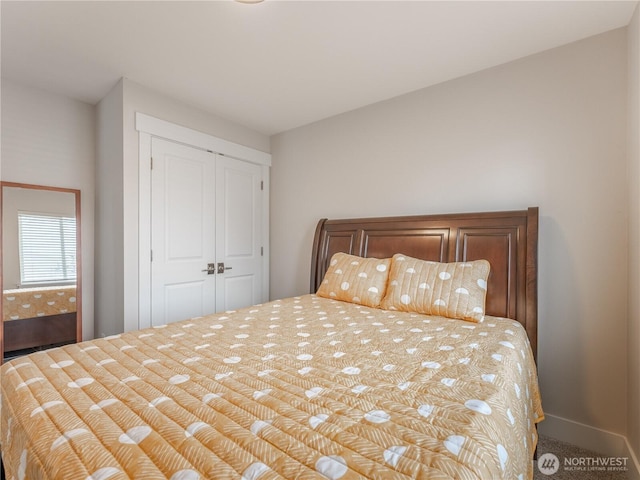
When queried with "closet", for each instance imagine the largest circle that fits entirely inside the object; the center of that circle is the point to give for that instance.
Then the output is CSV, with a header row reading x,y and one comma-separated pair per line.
x,y
203,237
206,232
182,220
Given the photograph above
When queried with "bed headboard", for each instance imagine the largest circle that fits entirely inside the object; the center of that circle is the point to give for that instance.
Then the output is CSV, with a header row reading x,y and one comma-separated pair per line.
x,y
508,240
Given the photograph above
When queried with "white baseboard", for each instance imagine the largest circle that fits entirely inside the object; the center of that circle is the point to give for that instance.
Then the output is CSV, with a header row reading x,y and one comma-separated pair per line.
x,y
634,469
591,438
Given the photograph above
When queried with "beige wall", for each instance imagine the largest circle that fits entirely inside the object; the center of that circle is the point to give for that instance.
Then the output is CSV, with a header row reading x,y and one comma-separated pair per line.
x,y
548,130
634,233
109,208
49,139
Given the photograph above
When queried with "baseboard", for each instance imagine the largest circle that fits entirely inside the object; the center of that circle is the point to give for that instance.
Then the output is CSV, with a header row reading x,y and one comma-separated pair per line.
x,y
634,469
591,438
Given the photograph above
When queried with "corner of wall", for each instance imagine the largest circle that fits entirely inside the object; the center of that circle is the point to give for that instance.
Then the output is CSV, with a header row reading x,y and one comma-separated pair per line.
x,y
633,152
109,207
591,438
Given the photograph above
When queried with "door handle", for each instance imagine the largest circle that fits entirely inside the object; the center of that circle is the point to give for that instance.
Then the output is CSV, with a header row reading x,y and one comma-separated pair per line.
x,y
211,269
222,268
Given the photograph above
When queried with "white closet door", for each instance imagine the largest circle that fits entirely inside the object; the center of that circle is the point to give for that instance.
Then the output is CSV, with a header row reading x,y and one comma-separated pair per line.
x,y
183,218
239,233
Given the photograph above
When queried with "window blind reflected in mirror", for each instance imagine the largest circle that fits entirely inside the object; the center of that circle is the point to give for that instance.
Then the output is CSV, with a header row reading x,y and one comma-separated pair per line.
x,y
47,247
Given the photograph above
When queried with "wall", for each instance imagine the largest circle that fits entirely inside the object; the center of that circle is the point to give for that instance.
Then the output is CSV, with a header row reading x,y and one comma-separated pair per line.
x,y
633,396
123,184
109,208
49,139
548,130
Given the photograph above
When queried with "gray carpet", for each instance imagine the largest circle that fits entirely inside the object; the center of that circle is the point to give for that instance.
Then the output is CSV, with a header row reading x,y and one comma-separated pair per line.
x,y
573,463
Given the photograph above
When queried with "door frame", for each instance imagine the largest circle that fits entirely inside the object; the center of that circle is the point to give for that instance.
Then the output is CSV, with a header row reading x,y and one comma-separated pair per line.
x,y
149,127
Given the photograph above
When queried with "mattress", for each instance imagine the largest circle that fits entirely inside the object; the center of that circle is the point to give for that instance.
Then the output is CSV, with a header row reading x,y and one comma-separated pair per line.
x,y
23,303
305,387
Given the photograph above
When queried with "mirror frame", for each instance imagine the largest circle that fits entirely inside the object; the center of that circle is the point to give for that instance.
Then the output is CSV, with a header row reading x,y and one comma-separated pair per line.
x,y
76,194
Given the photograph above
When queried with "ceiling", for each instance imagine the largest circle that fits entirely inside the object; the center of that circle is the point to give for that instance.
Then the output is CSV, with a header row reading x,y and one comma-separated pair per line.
x,y
278,65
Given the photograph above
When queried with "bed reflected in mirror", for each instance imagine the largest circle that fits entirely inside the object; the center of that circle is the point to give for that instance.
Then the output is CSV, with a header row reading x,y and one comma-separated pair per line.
x,y
41,284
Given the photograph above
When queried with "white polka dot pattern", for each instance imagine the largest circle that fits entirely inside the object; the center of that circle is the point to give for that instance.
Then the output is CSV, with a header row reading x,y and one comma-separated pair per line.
x,y
306,387
355,279
454,290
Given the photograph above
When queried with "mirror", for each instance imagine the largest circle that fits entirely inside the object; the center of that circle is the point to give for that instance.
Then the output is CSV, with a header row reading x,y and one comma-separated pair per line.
x,y
41,268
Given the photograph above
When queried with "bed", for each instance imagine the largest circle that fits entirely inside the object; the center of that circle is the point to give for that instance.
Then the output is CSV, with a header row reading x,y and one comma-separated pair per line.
x,y
351,381
39,316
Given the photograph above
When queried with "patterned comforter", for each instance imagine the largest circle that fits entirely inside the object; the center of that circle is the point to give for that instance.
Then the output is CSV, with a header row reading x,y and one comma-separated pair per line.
x,y
38,302
299,388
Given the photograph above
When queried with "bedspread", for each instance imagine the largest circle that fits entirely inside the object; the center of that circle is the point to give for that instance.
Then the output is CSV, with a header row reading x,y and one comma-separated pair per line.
x,y
38,302
299,388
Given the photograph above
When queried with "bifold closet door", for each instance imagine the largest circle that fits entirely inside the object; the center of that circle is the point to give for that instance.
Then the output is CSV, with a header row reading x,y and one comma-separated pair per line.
x,y
238,233
182,232
206,232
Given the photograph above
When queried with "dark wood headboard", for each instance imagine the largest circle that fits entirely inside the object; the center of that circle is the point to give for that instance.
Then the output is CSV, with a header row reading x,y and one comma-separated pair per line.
x,y
508,240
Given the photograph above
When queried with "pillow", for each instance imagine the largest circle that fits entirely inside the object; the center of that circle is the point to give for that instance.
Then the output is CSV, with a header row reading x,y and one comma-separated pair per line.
x,y
454,290
355,279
